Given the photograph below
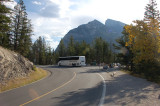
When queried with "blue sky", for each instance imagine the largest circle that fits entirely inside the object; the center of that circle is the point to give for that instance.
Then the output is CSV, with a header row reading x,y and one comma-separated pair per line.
x,y
52,19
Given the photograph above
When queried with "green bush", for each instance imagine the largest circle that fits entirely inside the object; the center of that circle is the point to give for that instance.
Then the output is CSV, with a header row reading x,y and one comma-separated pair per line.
x,y
34,68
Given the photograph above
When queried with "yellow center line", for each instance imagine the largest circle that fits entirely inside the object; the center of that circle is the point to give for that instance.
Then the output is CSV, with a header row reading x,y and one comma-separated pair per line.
x,y
49,91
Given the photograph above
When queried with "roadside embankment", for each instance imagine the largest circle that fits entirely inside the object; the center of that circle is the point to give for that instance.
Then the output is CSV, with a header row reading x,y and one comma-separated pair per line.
x,y
16,70
21,81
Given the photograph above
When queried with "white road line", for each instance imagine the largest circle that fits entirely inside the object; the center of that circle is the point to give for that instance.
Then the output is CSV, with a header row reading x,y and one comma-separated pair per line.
x,y
103,92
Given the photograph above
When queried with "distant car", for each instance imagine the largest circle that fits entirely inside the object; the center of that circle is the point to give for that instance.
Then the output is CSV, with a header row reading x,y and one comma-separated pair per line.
x,y
105,67
93,63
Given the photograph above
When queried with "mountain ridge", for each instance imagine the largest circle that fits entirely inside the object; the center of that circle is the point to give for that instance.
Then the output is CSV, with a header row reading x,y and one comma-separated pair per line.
x,y
88,32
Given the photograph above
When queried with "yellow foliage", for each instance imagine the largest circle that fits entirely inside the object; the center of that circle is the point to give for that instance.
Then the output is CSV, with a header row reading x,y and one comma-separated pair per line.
x,y
144,41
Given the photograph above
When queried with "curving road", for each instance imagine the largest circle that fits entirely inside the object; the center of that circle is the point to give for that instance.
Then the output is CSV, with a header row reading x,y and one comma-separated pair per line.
x,y
64,86
84,86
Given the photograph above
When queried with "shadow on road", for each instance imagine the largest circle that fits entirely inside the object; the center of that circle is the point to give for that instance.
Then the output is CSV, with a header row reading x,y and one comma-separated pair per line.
x,y
127,90
81,97
56,66
121,90
100,70
94,71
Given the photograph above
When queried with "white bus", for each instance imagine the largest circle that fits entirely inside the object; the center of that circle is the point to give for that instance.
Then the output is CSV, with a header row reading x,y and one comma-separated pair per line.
x,y
72,61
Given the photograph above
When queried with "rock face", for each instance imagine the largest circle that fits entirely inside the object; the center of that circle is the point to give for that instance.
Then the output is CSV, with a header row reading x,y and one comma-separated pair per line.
x,y
13,65
109,31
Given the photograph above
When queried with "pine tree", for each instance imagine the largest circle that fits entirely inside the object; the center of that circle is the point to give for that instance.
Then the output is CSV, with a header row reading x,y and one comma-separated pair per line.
x,y
151,12
43,51
49,55
71,47
105,51
53,60
22,29
125,55
152,18
5,21
83,48
98,46
39,51
78,49
61,49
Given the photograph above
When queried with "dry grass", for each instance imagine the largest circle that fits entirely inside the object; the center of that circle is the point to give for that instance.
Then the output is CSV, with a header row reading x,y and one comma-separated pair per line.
x,y
18,82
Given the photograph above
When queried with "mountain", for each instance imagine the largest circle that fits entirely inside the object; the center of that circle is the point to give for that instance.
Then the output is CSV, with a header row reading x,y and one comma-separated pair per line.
x,y
13,65
114,26
88,32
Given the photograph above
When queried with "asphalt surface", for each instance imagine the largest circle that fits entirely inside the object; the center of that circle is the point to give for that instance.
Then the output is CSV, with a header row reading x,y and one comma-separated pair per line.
x,y
64,86
84,86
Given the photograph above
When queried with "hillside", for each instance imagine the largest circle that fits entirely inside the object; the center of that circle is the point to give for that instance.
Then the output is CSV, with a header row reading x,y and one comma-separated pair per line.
x,y
13,65
88,32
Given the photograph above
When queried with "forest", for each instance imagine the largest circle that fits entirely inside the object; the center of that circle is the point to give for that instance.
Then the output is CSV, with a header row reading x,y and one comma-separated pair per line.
x,y
138,49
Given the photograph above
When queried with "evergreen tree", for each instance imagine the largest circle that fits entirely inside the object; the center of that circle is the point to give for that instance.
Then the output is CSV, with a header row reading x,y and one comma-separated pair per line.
x,y
125,55
99,51
5,21
105,51
38,51
22,29
84,50
71,47
78,49
53,57
98,46
42,53
61,49
49,55
152,18
151,13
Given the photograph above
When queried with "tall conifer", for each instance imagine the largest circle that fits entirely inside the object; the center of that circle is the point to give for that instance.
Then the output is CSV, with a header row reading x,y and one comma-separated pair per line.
x,y
5,21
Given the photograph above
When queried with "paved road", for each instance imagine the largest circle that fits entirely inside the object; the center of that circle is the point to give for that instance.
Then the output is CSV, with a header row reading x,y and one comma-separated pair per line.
x,y
126,90
82,86
63,87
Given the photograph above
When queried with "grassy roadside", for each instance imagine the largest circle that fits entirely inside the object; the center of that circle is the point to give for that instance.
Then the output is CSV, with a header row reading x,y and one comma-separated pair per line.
x,y
18,82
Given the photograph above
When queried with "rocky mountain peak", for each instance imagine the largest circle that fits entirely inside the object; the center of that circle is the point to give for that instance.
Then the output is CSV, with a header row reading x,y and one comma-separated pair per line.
x,y
114,26
95,23
111,23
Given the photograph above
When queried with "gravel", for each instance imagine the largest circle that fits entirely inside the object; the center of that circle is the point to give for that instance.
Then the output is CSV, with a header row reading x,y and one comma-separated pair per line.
x,y
126,90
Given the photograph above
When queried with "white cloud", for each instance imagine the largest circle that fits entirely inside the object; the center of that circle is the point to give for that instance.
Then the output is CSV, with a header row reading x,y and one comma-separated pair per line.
x,y
65,15
11,4
54,44
51,10
121,10
36,2
52,26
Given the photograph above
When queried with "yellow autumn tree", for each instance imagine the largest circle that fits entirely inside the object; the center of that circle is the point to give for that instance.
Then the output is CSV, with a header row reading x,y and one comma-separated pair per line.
x,y
144,35
141,42
144,43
